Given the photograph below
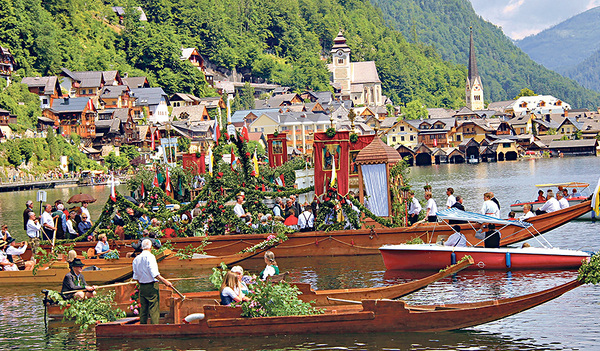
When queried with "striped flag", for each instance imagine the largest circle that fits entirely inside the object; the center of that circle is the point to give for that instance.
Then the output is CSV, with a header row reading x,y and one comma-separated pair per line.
x,y
113,194
255,162
168,189
596,200
245,132
210,160
216,131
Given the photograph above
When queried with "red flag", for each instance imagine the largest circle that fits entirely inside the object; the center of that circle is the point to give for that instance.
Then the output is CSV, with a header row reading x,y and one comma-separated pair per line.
x,y
245,132
168,183
282,179
143,191
153,146
232,159
113,194
155,181
435,142
90,105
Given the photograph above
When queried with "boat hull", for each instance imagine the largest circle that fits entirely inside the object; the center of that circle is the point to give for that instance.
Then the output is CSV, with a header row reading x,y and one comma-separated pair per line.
x,y
362,241
518,207
55,275
371,316
429,257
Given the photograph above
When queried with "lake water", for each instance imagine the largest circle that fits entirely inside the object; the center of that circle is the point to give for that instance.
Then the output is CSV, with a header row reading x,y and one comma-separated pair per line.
x,y
568,323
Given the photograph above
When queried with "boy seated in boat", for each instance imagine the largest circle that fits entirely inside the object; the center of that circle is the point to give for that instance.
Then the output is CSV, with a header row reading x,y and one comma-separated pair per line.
x,y
74,285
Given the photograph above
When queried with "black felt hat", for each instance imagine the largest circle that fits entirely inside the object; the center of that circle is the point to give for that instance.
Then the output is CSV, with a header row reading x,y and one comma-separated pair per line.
x,y
77,263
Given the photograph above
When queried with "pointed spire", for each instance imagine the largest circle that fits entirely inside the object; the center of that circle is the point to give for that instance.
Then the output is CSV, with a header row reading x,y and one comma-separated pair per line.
x,y
473,72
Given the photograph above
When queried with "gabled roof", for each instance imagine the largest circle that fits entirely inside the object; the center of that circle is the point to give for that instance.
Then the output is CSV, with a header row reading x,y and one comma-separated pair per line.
x,y
111,126
50,84
194,113
120,11
275,101
389,122
364,72
136,82
184,97
113,91
239,116
149,96
557,144
465,111
501,106
69,105
90,79
110,77
187,52
439,113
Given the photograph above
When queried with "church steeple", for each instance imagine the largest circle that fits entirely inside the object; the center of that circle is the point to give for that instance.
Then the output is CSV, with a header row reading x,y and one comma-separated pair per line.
x,y
474,88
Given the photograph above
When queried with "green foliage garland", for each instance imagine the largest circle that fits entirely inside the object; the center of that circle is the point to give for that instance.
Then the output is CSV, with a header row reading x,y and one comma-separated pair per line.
x,y
279,299
330,132
98,309
589,272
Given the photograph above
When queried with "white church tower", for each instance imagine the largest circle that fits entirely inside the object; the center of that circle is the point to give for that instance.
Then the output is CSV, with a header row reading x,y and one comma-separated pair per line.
x,y
474,88
342,69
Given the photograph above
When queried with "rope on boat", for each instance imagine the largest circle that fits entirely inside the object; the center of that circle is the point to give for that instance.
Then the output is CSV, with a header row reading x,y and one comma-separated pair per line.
x,y
227,245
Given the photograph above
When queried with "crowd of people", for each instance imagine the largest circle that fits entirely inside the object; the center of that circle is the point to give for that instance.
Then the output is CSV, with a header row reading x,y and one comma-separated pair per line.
x,y
287,211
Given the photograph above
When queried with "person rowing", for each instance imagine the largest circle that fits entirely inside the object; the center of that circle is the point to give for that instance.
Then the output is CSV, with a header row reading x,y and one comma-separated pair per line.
x,y
74,280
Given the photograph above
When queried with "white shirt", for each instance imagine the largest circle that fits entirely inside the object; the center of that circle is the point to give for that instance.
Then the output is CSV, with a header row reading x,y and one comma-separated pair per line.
x,y
145,268
33,229
526,215
47,219
415,206
239,210
451,201
432,207
268,272
4,259
11,250
306,219
550,205
85,211
70,228
490,209
564,203
456,240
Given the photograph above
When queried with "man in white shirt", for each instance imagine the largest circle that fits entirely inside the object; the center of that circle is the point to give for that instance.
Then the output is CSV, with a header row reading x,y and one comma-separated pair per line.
x,y
564,203
489,207
238,209
48,222
16,252
414,209
145,272
551,205
306,220
457,239
431,213
33,226
451,199
85,211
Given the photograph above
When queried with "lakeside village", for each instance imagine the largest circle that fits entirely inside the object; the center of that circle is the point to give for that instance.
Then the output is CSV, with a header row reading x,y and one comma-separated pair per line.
x,y
334,169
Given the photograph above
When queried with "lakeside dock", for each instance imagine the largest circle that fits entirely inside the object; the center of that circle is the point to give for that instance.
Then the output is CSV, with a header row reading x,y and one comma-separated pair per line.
x,y
37,184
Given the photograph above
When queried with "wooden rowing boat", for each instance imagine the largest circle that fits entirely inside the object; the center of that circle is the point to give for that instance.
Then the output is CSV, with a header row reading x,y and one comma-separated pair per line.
x,y
171,262
176,308
370,316
365,241
55,274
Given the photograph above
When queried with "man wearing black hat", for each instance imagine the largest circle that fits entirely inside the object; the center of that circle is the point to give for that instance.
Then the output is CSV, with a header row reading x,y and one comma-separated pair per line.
x,y
74,280
28,208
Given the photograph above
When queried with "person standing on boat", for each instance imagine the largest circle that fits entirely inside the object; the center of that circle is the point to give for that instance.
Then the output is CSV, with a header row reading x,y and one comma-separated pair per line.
x,y
551,205
451,199
492,237
28,208
238,209
145,272
562,201
74,280
414,209
459,203
493,198
489,207
33,231
306,220
431,208
48,222
457,239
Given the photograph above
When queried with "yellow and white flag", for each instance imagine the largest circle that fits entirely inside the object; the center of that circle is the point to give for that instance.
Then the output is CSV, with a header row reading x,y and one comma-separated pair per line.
x,y
255,162
596,200
333,172
210,160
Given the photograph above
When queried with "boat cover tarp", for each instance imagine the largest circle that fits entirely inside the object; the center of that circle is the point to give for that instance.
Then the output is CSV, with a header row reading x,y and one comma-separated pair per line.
x,y
458,215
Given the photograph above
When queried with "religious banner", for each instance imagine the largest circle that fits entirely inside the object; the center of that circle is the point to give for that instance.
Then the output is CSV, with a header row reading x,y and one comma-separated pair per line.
x,y
277,148
330,152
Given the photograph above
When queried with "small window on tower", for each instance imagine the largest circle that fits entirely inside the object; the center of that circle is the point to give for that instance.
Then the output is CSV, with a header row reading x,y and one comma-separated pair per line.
x,y
340,61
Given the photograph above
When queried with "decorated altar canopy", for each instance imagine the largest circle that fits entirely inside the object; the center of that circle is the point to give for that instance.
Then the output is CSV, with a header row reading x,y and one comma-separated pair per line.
x,y
374,162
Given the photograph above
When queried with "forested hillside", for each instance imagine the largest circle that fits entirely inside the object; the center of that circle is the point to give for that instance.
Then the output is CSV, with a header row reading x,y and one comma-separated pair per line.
x,y
504,68
587,73
279,40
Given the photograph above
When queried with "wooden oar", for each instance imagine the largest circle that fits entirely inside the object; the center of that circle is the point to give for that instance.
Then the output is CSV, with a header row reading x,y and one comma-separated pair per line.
x,y
178,293
102,287
345,301
178,279
54,234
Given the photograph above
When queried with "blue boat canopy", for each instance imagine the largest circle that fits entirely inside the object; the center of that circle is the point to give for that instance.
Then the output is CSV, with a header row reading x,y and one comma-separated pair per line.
x,y
458,215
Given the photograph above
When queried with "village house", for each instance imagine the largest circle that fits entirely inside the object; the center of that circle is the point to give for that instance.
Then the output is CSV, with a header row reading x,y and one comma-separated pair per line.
x,y
87,83
73,116
47,88
469,129
7,118
136,82
115,96
249,116
401,133
190,113
433,132
523,124
152,104
181,99
7,64
120,12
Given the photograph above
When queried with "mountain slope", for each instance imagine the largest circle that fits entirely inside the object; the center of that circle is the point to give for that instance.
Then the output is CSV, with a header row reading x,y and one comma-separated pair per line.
x,y
504,68
587,73
566,44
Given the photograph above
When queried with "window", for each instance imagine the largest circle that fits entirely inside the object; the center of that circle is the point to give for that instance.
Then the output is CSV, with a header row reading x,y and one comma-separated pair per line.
x,y
340,61
506,145
412,137
522,130
401,128
402,138
394,139
458,138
